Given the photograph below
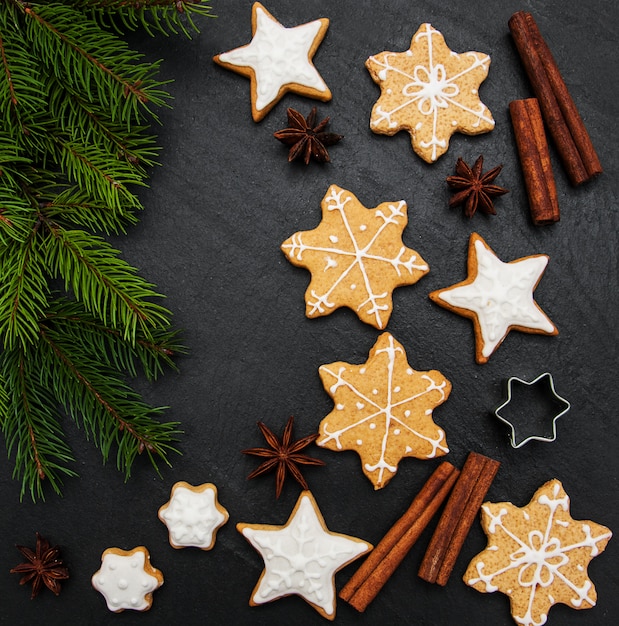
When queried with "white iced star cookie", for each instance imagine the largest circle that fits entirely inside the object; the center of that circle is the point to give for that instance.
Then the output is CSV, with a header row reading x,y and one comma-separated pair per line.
x,y
193,515
278,60
497,297
301,557
127,579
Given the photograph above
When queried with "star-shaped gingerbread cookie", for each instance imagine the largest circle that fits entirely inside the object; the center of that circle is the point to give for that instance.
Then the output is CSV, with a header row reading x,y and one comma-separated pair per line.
x,y
193,515
431,92
383,410
301,557
356,257
127,579
537,555
497,297
278,60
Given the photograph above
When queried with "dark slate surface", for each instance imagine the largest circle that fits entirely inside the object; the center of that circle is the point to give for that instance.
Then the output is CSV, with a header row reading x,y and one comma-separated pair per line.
x,y
217,211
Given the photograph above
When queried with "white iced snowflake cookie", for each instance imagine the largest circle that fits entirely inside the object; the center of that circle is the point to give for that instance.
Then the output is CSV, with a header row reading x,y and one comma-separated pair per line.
x,y
537,555
429,91
127,579
193,515
301,557
278,60
497,297
356,257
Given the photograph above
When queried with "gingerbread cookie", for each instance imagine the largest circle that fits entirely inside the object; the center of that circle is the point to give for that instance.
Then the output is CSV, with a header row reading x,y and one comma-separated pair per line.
x,y
431,92
537,555
278,60
301,557
127,579
383,410
193,515
356,257
497,297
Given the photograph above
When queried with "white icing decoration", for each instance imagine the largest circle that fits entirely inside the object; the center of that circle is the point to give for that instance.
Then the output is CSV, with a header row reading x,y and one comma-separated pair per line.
x,y
192,517
352,256
431,90
123,582
278,56
302,558
501,296
387,409
540,555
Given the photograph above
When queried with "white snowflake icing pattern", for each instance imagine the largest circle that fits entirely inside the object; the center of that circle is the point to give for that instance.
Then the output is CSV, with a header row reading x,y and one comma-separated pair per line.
x,y
429,93
301,557
531,551
399,413
346,258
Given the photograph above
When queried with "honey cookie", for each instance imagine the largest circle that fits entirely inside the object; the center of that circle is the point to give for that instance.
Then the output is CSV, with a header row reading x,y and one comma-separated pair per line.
x,y
127,579
301,557
278,60
497,297
356,257
537,555
193,515
383,410
431,92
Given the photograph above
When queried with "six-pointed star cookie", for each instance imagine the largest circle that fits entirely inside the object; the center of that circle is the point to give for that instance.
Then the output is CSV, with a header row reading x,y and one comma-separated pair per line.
x,y
127,579
301,557
429,91
193,515
356,257
278,60
497,296
383,410
537,555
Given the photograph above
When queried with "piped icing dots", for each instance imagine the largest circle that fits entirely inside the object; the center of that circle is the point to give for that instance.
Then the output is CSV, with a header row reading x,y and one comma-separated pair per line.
x,y
193,515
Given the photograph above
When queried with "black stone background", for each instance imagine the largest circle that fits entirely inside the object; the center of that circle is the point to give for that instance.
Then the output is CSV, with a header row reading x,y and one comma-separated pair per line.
x,y
216,213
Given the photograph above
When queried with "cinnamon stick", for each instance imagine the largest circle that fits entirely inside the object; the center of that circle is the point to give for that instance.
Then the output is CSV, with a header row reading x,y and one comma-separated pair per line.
x,y
560,113
535,161
455,522
370,578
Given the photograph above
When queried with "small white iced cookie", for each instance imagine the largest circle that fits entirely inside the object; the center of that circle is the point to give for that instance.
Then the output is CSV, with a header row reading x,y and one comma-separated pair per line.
x,y
278,60
193,515
127,579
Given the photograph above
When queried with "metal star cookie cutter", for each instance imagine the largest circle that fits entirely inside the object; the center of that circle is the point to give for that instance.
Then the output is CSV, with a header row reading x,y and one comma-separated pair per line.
x,y
550,394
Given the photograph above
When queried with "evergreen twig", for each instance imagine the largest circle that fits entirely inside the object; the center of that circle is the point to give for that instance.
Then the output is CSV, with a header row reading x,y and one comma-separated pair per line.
x,y
76,104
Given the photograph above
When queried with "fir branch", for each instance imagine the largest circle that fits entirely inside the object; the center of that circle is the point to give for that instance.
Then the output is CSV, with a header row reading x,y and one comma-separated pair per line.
x,y
108,286
30,425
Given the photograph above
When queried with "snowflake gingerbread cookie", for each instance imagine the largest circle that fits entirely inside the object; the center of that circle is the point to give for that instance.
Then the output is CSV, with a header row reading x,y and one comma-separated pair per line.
x,y
278,60
193,515
301,557
383,410
356,257
497,297
537,555
431,92
127,579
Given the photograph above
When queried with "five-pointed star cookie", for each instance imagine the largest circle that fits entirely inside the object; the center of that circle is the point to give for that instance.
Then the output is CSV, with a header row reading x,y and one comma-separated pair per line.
x,y
193,515
127,579
537,555
429,91
383,410
278,60
497,296
301,557
356,257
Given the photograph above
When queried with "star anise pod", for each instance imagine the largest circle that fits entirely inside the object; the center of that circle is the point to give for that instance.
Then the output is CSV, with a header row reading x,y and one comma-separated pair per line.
x,y
474,189
42,567
305,139
284,455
